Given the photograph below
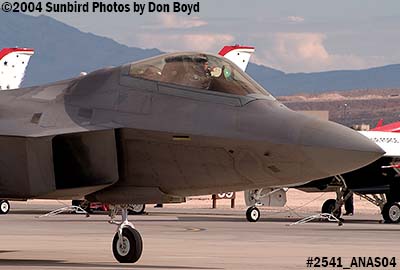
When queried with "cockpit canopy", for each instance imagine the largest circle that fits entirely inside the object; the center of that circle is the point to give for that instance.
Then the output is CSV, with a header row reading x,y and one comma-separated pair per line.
x,y
197,70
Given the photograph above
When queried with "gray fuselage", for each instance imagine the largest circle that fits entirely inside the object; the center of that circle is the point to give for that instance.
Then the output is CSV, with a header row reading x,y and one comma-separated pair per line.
x,y
120,139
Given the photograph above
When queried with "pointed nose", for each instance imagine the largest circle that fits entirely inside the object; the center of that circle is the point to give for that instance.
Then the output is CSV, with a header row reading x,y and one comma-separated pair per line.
x,y
336,149
301,148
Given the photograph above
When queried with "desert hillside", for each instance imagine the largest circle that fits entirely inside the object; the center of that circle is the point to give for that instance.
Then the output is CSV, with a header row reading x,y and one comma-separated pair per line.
x,y
364,106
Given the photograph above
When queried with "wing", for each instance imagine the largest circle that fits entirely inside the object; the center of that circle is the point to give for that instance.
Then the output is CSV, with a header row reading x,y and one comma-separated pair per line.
x,y
53,146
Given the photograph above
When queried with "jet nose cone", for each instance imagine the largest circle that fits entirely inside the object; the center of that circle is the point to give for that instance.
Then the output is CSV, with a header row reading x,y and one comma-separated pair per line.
x,y
336,149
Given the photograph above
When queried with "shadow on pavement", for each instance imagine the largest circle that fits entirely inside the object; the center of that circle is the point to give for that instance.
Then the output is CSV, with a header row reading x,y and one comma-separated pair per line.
x,y
61,263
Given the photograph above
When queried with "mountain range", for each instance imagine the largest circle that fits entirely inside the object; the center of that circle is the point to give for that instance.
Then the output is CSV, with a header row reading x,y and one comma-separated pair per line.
x,y
62,51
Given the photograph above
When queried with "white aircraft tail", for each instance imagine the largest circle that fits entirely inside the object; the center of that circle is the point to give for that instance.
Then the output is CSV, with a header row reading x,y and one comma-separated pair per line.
x,y
240,55
13,62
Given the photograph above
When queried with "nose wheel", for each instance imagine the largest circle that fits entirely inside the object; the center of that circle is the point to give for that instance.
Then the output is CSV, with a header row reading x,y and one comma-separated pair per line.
x,y
253,214
127,245
4,207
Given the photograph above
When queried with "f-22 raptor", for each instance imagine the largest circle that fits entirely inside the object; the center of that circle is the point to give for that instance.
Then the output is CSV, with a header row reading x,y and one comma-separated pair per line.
x,y
158,130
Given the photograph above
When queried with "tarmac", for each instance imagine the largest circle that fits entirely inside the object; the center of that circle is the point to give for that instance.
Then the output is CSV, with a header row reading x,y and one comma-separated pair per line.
x,y
180,238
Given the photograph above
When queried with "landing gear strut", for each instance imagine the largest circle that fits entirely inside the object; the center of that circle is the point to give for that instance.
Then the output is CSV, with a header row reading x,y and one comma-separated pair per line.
x,y
333,206
127,244
4,207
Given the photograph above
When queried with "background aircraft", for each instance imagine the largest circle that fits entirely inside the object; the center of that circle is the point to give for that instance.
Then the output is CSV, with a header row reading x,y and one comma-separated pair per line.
x,y
240,55
392,127
161,129
13,62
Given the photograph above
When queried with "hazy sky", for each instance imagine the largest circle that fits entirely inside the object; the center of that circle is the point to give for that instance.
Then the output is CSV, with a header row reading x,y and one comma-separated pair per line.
x,y
293,36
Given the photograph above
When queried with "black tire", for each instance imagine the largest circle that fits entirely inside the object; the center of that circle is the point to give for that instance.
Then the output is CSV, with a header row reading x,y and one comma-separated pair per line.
x,y
136,209
391,212
131,253
4,207
253,214
329,206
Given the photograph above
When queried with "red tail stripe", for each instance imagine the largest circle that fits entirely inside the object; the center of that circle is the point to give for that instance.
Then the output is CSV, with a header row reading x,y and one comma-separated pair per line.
x,y
6,51
227,49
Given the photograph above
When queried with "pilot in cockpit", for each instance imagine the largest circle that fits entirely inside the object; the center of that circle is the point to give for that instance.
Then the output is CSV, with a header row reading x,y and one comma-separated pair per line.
x,y
198,73
196,70
206,68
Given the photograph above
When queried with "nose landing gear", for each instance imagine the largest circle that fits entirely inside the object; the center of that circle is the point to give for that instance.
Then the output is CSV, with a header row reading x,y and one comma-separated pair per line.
x,y
127,244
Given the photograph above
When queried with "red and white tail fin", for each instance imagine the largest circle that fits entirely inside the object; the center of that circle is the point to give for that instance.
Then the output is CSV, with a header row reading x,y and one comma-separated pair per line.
x,y
240,55
13,62
380,123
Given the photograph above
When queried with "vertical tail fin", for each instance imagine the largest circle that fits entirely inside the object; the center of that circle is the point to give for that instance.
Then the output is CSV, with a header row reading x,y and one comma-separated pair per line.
x,y
13,62
380,123
240,55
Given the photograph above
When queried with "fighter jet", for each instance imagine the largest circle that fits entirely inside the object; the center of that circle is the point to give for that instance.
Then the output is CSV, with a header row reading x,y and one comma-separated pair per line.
x,y
157,130
392,127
